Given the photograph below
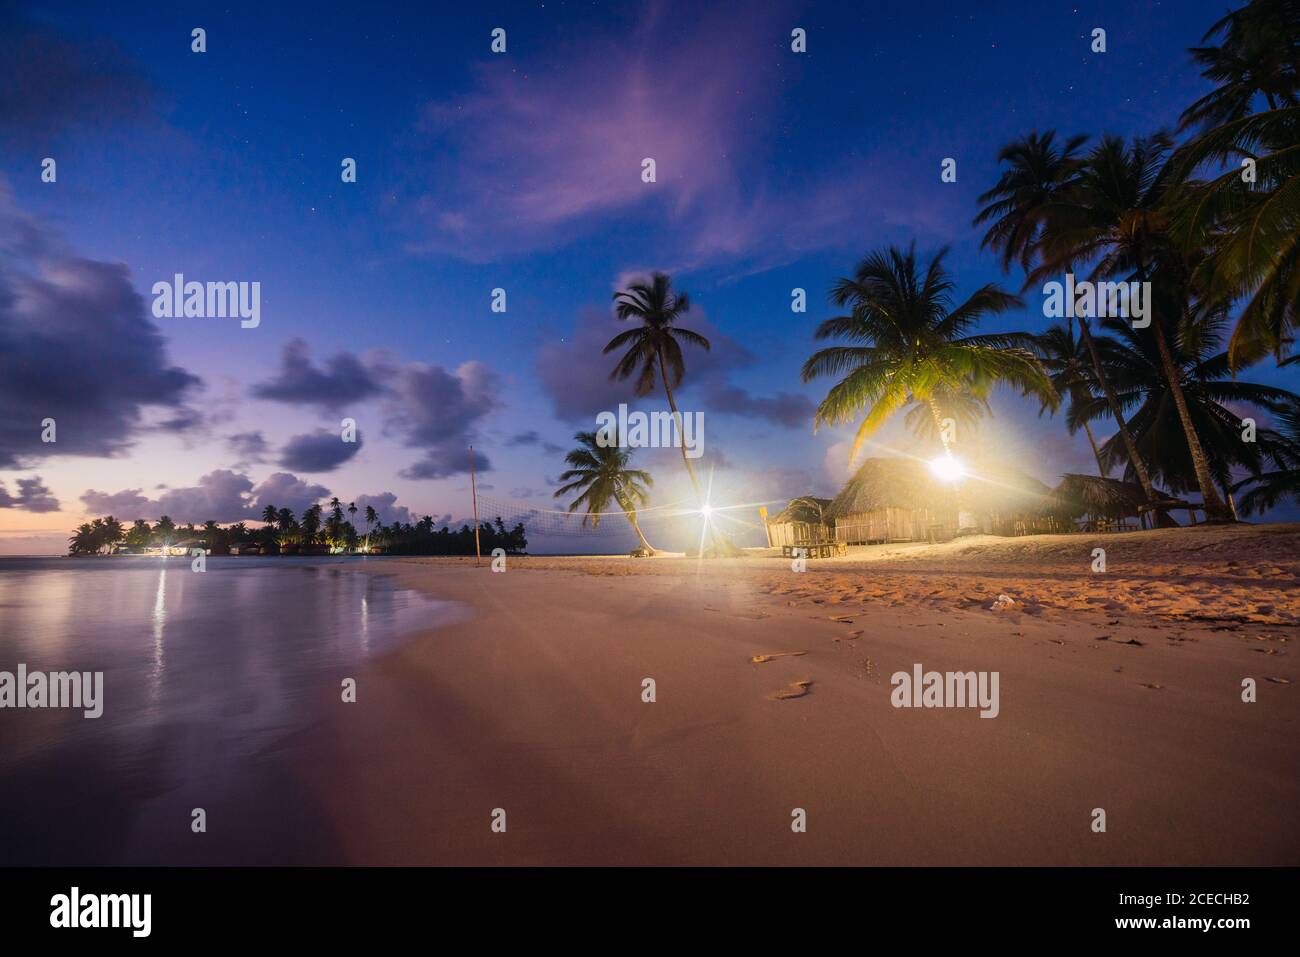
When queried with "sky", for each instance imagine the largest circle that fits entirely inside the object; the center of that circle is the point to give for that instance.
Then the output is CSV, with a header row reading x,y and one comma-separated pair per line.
x,y
477,171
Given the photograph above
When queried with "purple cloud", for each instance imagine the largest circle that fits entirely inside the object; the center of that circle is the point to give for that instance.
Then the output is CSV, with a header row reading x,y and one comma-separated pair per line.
x,y
318,451
385,505
33,496
77,346
437,411
344,379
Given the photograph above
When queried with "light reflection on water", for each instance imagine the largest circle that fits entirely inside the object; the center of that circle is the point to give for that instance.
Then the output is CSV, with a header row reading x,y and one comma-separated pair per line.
x,y
201,670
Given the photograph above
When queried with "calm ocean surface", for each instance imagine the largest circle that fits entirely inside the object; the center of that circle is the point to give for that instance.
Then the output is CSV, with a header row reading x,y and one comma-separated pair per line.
x,y
202,672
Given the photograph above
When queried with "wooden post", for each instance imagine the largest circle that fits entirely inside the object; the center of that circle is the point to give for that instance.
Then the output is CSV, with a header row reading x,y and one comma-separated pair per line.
x,y
478,554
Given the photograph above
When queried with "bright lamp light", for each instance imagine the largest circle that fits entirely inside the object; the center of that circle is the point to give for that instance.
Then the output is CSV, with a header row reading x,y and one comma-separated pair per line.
x,y
946,468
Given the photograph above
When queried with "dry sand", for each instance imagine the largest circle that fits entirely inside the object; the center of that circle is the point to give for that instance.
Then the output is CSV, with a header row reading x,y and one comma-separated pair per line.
x,y
1119,691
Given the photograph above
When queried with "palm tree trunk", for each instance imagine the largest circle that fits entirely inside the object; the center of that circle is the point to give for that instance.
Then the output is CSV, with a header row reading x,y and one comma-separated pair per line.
x,y
1215,511
631,517
1139,467
681,433
1096,453
938,424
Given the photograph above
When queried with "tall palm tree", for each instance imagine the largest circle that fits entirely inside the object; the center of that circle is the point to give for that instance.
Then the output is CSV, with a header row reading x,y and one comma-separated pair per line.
x,y
600,472
1069,365
1020,207
1117,218
1210,390
654,346
371,517
269,515
909,345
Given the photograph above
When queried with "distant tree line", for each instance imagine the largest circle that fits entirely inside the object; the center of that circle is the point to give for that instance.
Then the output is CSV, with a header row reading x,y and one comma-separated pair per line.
x,y
316,531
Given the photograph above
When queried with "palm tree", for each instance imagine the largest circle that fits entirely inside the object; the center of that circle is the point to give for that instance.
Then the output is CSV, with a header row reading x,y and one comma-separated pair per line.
x,y
1269,489
655,345
371,517
1251,228
910,346
285,521
1117,217
1070,367
1255,58
600,471
269,515
1020,207
1134,364
310,524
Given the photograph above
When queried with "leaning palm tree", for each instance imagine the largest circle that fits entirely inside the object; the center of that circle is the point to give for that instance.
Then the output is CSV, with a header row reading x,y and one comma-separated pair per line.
x,y
1211,392
1020,206
654,346
600,472
1116,217
1069,365
908,345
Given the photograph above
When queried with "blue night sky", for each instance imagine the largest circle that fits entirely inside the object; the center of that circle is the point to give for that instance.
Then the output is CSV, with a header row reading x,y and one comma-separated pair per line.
x,y
475,171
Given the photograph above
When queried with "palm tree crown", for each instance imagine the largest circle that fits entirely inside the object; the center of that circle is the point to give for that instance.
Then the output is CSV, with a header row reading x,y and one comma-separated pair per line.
x,y
908,345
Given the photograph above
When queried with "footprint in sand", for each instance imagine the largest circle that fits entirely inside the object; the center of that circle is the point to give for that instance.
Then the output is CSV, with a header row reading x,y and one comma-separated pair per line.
x,y
760,659
797,689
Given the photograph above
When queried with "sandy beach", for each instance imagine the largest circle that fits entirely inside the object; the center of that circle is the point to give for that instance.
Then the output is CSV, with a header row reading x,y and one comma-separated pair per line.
x,y
1120,691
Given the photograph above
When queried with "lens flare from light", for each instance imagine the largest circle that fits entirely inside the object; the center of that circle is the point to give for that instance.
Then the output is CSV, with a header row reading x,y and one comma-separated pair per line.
x,y
946,468
706,509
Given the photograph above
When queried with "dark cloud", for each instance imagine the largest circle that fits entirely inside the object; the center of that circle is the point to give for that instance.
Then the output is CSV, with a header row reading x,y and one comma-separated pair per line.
x,y
344,379
128,504
77,346
251,447
318,451
533,438
33,496
49,85
787,409
437,411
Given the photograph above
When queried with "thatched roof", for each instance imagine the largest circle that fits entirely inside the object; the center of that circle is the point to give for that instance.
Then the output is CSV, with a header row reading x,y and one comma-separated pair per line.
x,y
806,509
1078,494
1000,488
890,483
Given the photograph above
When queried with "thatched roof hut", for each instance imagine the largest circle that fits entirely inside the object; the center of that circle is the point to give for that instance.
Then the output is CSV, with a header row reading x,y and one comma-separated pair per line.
x,y
802,522
1093,495
889,483
809,509
893,499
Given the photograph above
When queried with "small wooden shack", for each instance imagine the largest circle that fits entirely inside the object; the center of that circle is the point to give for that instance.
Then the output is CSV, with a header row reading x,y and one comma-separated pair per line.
x,y
893,500
803,522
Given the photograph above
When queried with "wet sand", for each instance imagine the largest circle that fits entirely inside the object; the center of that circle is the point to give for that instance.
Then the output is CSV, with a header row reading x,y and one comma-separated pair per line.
x,y
1119,691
